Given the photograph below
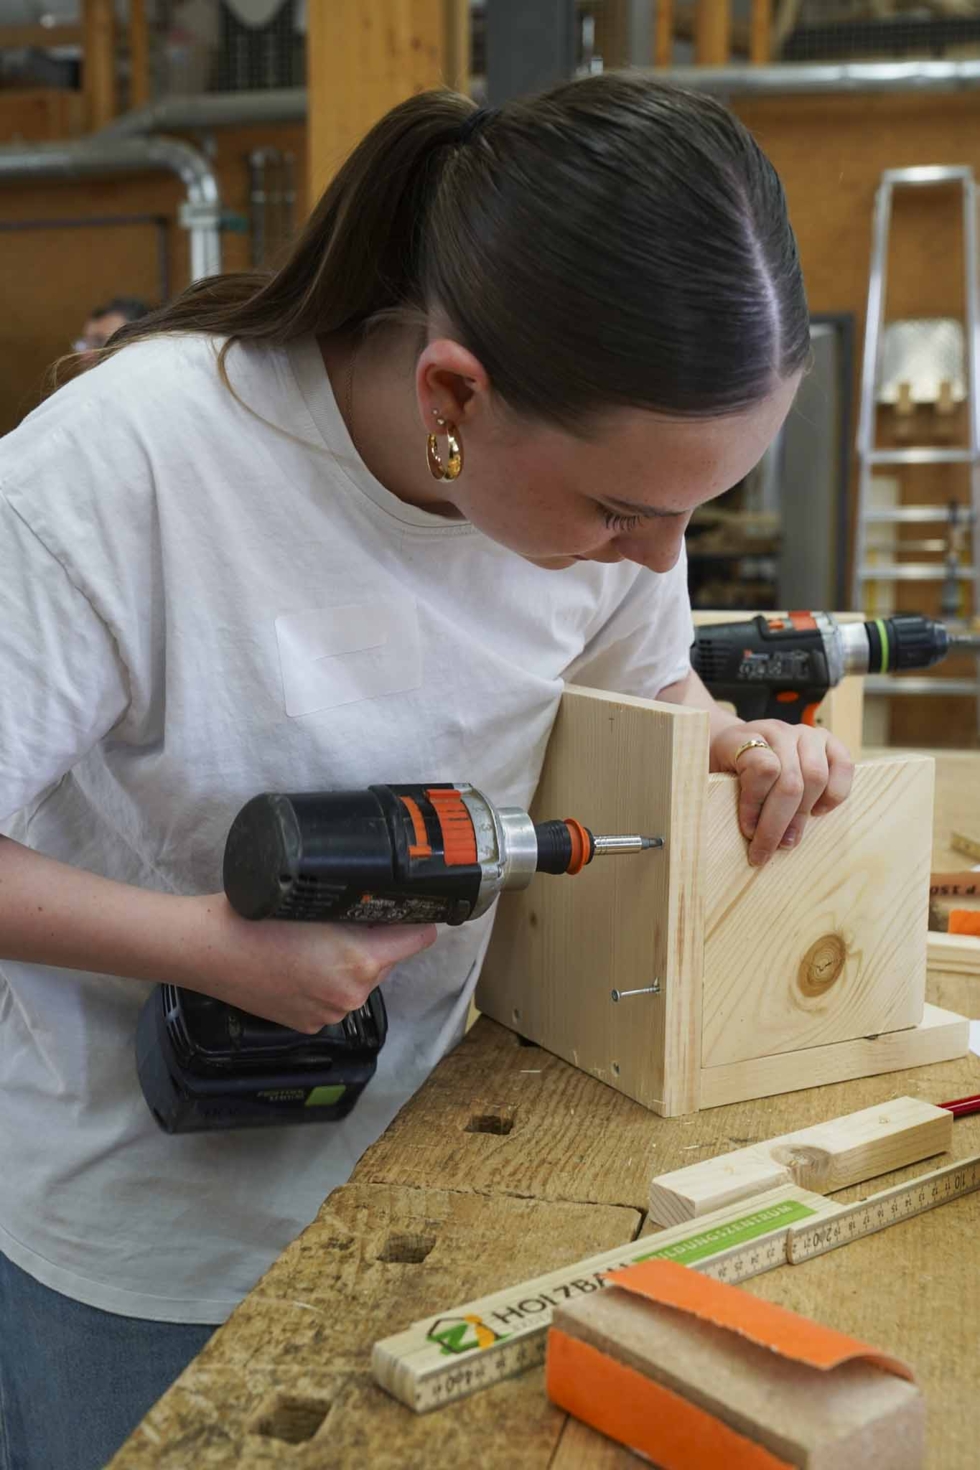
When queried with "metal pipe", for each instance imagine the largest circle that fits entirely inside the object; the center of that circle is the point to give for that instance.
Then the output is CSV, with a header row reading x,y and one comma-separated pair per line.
x,y
289,104
257,200
217,110
639,32
266,203
858,76
199,214
288,196
274,192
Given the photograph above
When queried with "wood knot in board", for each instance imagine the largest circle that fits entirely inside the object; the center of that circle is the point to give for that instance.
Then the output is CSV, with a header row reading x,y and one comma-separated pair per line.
x,y
822,965
809,1165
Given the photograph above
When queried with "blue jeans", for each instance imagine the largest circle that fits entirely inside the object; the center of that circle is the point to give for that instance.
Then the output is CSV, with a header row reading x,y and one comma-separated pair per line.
x,y
75,1381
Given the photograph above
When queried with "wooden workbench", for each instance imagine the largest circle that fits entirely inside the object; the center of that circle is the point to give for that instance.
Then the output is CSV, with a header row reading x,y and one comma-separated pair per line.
x,y
506,1164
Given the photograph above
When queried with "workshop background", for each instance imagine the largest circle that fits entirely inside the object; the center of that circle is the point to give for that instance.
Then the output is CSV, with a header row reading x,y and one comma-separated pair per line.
x,y
148,142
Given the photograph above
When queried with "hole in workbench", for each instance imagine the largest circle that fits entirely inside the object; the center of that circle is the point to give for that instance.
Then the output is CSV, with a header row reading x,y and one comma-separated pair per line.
x,y
489,1123
406,1249
290,1419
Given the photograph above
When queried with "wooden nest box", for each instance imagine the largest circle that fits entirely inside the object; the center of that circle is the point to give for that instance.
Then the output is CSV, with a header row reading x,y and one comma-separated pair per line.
x,y
758,980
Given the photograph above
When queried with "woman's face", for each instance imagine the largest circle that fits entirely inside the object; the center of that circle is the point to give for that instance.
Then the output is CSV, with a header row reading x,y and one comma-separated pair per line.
x,y
627,492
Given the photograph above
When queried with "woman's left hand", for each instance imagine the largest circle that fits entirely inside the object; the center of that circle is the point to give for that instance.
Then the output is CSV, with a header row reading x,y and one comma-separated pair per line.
x,y
804,773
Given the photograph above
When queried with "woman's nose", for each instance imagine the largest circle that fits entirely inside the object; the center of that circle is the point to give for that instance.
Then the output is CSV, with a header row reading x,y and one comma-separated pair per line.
x,y
657,550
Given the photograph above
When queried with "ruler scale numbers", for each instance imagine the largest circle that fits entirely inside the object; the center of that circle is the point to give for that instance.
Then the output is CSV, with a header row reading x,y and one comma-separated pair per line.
x,y
887,1208
426,1370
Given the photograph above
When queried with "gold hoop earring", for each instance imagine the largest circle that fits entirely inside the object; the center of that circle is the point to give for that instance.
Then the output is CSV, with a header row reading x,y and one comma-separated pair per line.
x,y
440,469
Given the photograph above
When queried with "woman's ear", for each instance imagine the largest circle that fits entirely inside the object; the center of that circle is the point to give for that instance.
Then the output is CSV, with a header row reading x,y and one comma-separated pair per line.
x,y
450,383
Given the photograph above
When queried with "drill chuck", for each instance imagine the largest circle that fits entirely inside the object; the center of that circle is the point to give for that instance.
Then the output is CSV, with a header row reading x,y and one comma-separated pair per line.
x,y
904,641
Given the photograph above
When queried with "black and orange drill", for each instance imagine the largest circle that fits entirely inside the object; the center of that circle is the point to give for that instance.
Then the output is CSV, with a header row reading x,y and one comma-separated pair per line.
x,y
779,666
432,853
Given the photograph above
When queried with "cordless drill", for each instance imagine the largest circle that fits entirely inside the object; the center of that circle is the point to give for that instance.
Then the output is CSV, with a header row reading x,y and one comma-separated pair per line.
x,y
424,854
780,666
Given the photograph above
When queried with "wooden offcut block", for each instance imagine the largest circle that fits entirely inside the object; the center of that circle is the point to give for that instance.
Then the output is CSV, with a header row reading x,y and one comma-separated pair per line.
x,y
755,980
954,954
825,1157
694,1374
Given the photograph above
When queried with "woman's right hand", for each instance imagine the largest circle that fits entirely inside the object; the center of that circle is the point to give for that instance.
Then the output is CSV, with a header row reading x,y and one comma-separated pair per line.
x,y
300,975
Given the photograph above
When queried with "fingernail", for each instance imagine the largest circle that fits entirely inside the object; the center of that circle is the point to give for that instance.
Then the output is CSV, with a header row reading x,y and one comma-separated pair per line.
x,y
758,860
789,839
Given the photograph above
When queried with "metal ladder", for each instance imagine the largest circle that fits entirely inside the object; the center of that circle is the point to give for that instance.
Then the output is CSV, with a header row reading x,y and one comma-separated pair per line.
x,y
870,457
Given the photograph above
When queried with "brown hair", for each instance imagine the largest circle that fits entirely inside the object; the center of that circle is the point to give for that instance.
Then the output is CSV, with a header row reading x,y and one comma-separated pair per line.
x,y
615,240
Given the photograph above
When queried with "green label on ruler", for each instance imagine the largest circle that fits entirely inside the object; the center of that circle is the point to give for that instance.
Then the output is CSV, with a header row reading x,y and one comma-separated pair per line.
x,y
735,1232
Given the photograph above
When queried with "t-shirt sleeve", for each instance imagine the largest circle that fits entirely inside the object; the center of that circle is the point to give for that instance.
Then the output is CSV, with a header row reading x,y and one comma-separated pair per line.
x,y
645,643
63,683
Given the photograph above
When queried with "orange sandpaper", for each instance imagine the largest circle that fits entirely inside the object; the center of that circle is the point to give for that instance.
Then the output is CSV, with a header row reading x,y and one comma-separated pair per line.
x,y
655,1421
659,1422
964,921
752,1317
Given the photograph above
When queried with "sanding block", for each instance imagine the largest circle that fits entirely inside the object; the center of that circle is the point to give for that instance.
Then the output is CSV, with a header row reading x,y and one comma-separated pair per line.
x,y
696,1374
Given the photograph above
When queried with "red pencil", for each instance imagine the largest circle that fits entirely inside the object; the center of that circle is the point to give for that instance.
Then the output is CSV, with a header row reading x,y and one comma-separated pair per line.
x,y
961,1106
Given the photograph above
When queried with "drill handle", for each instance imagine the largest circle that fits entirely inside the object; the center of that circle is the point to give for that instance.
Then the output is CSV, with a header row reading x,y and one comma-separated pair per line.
x,y
751,702
756,702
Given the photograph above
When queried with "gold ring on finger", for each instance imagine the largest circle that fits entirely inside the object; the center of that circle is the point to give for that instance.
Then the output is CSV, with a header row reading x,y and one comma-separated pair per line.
x,y
756,743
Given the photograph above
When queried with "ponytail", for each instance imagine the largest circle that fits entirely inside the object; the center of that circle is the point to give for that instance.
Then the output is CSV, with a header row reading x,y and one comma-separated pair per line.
x,y
616,240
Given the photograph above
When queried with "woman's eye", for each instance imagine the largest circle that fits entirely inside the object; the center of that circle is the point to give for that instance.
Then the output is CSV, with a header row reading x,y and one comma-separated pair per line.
x,y
620,523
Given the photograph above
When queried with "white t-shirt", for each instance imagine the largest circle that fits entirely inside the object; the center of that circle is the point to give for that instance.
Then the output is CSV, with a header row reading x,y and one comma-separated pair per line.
x,y
194,608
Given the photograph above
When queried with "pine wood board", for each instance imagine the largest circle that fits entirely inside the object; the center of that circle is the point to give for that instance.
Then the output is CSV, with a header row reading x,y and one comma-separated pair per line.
x,y
826,942
823,945
619,765
955,954
941,1036
825,1157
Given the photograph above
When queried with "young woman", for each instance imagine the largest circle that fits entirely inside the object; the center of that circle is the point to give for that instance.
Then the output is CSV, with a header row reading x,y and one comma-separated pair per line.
x,y
355,521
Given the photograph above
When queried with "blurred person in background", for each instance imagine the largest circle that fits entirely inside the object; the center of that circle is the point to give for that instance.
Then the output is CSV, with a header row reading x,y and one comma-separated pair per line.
x,y
103,321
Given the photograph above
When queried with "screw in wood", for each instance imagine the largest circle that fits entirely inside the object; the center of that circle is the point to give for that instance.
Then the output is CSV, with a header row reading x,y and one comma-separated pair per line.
x,y
653,989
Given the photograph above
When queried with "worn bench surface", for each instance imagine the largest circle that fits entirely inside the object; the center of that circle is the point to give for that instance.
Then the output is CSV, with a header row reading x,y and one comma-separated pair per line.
x,y
507,1163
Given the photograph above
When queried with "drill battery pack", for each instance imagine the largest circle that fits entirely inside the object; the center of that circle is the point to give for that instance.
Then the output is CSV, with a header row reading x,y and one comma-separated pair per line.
x,y
203,1064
